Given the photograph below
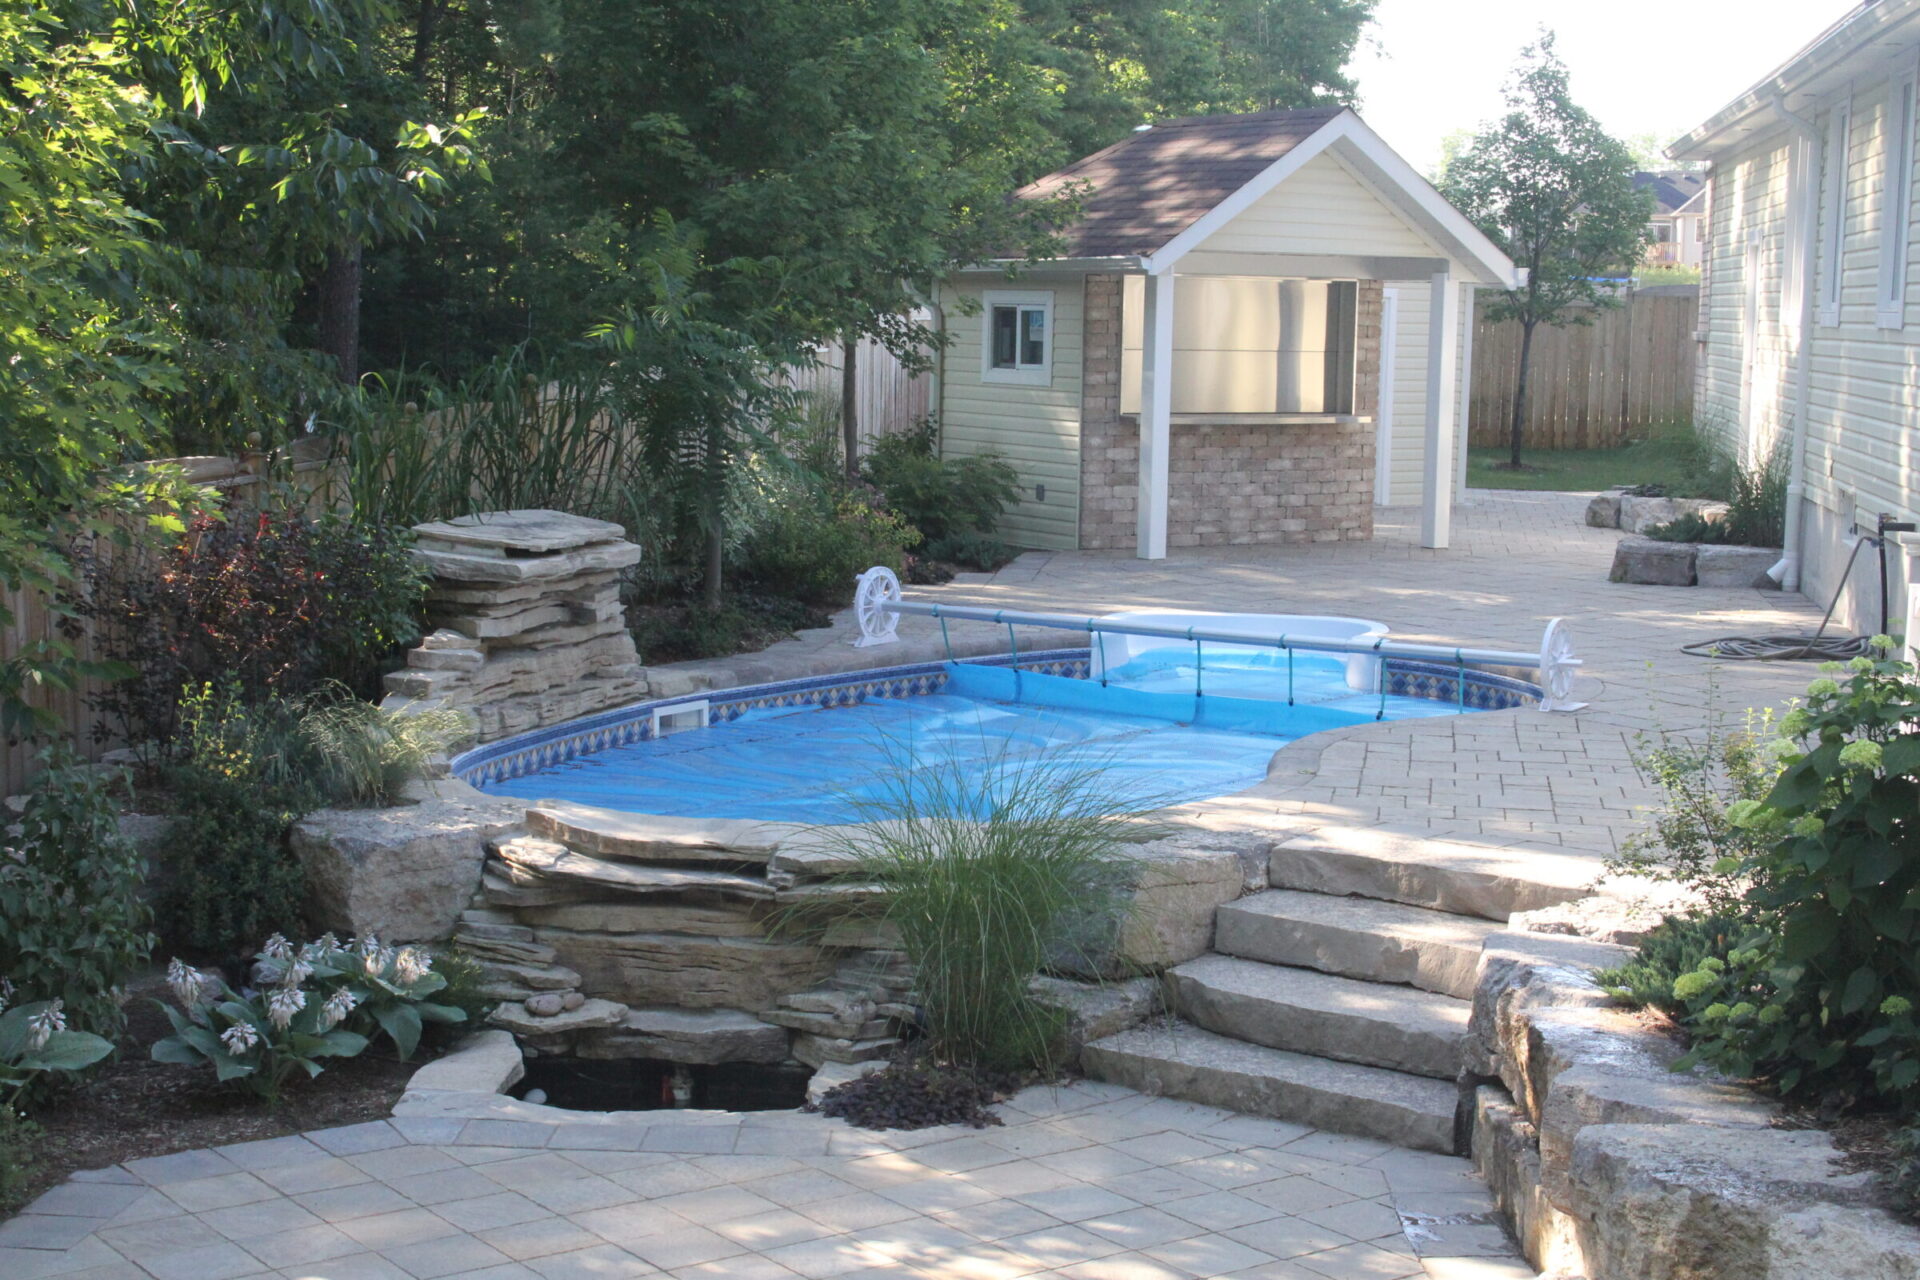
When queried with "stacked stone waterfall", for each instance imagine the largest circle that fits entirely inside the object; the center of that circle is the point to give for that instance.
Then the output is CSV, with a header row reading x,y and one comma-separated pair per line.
x,y
529,629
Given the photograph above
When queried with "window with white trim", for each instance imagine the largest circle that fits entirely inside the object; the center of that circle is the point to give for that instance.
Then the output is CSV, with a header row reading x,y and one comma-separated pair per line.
x,y
1897,202
1833,210
1016,340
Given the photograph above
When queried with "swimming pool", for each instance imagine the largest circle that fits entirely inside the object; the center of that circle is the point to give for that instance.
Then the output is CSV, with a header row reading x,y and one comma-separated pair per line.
x,y
1158,729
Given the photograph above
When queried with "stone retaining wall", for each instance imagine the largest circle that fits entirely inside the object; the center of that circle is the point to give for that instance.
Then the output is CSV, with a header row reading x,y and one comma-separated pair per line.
x,y
1610,1166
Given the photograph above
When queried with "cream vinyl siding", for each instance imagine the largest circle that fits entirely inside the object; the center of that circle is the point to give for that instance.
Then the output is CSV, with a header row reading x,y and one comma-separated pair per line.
x,y
1034,428
1410,391
1862,449
1321,208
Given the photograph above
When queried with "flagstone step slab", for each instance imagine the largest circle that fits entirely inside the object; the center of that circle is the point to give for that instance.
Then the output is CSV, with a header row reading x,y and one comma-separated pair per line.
x,y
1356,938
638,837
1179,1060
1304,1011
1441,875
545,860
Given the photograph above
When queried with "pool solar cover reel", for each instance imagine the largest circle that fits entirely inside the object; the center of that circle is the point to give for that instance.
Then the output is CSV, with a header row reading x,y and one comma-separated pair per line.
x,y
877,607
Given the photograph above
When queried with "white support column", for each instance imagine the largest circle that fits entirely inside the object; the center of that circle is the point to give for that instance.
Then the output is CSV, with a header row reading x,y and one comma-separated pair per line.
x,y
1463,421
1156,417
1443,350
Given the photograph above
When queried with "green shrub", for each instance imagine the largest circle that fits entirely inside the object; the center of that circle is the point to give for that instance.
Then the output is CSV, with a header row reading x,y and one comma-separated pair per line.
x,y
813,547
1678,944
1820,994
1757,503
268,604
35,1040
970,549
987,875
238,785
1690,527
73,925
940,497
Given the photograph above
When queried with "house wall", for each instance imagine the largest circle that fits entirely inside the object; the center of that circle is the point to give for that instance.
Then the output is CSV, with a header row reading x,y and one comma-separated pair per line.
x,y
1864,380
1321,208
1230,483
1407,451
1034,428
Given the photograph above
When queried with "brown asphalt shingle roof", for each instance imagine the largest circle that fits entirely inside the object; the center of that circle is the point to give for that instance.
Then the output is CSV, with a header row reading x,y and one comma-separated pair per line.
x,y
1152,185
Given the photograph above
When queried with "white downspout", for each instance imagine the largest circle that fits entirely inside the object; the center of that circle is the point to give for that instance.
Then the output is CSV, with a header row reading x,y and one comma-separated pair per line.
x,y
1803,178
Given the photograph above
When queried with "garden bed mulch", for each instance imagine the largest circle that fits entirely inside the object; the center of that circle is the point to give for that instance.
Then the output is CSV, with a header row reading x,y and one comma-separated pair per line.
x,y
133,1106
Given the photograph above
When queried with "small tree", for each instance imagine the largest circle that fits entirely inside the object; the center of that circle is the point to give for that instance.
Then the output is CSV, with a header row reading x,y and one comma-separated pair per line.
x,y
1555,191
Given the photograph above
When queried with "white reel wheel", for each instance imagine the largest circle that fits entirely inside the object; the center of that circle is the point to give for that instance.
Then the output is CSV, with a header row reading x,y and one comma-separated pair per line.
x,y
1558,667
878,587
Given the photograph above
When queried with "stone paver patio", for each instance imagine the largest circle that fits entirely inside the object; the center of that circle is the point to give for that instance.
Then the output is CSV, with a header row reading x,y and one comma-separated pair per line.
x,y
1088,1182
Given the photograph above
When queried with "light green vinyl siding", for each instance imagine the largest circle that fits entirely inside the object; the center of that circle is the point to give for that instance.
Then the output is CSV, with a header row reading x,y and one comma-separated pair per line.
x,y
1034,428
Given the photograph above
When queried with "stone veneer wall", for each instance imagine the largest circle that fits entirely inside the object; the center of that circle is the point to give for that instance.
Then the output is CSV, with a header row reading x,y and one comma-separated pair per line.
x,y
1231,483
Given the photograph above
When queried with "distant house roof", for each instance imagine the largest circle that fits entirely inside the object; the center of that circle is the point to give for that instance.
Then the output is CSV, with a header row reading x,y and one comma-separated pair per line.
x,y
1671,188
1158,181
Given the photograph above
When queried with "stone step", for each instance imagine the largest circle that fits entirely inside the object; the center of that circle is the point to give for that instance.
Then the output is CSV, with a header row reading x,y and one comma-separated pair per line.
x,y
1442,875
531,860
1179,1060
1355,938
1372,1023
638,837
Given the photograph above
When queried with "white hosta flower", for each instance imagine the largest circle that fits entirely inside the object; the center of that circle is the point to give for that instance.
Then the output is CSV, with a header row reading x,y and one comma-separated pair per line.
x,y
185,980
338,1006
277,948
411,965
283,1003
298,971
42,1025
366,944
376,961
239,1038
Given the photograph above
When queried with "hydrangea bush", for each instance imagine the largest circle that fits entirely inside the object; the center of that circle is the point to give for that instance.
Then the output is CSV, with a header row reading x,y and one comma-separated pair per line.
x,y
323,999
1820,993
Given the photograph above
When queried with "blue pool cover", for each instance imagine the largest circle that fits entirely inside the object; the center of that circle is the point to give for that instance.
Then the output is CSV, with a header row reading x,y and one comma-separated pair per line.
x,y
1148,737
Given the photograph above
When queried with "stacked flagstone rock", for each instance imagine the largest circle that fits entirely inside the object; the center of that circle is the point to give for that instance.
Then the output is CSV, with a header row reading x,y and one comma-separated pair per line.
x,y
529,628
856,1016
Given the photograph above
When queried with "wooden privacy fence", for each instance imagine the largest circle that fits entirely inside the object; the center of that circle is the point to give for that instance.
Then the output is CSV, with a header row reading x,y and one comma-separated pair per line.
x,y
888,398
1626,374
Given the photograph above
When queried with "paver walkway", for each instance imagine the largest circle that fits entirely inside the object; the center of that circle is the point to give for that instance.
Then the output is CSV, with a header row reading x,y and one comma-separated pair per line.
x,y
1084,1182
1088,1182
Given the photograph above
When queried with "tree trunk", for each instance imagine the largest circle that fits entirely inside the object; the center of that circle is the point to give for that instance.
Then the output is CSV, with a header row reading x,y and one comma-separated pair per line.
x,y
425,24
850,406
1520,390
339,321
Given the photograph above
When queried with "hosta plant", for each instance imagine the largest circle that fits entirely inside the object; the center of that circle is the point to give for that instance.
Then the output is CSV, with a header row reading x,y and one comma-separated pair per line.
x,y
385,990
35,1039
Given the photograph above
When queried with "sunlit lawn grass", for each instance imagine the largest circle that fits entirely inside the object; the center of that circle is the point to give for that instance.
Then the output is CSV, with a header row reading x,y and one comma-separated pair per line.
x,y
1669,461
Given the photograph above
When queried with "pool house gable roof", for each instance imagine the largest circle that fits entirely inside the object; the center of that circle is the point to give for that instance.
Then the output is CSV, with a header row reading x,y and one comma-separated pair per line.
x,y
1155,196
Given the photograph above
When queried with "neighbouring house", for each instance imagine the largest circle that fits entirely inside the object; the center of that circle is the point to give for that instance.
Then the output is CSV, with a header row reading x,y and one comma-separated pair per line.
x,y
1678,215
1808,339
1256,333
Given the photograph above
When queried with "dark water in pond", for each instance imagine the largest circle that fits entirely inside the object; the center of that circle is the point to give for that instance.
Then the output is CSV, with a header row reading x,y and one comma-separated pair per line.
x,y
641,1084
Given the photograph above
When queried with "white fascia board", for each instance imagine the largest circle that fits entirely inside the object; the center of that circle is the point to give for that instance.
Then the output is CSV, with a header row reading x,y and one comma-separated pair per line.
x,y
1000,266
1404,190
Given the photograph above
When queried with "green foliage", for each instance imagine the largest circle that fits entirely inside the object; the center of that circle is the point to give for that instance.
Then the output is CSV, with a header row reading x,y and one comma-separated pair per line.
x,y
73,925
358,754
970,549
1677,945
267,604
989,875
18,1137
237,786
940,497
322,1000
35,1040
816,543
1555,192
465,979
1818,995
747,621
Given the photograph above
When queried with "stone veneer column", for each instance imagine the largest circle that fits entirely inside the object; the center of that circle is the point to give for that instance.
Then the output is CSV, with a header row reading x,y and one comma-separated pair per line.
x,y
1109,447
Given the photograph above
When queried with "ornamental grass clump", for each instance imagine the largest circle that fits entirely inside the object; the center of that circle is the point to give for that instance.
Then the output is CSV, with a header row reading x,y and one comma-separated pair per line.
x,y
326,999
1817,993
990,872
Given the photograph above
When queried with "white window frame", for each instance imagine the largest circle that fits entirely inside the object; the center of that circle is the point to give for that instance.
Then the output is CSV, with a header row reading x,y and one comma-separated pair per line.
x,y
1039,374
1896,197
1836,157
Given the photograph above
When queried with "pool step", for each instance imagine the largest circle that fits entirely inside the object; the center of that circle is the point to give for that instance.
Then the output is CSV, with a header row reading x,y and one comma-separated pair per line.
x,y
1180,1060
536,863
1441,875
1355,938
1303,1011
640,837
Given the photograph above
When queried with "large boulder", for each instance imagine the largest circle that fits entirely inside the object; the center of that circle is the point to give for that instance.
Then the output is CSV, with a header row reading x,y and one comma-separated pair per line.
x,y
1721,566
403,873
1637,515
1171,887
1652,563
1693,1202
1603,512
